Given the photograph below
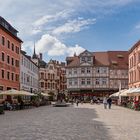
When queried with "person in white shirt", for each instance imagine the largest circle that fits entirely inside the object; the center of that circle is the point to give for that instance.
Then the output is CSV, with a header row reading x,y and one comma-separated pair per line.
x,y
105,102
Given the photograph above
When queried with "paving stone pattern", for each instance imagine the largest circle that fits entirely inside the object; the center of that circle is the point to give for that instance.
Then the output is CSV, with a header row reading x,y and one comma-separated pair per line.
x,y
53,123
122,123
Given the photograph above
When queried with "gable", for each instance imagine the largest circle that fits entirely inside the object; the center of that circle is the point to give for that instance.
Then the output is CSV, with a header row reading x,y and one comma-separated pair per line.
x,y
85,64
86,53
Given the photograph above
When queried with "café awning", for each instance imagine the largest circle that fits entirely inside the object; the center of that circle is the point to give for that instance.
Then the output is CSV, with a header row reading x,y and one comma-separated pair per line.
x,y
14,92
134,92
45,94
120,93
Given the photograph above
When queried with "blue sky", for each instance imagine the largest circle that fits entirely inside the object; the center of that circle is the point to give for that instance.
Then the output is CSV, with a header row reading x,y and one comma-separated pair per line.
x,y
62,27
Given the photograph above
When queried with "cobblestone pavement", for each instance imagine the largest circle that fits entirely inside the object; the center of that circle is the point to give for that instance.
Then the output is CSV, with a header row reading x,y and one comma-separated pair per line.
x,y
53,123
85,122
122,123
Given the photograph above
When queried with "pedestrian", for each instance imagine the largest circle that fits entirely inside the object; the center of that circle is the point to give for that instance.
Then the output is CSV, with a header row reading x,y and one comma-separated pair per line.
x,y
77,102
91,102
105,102
109,101
98,101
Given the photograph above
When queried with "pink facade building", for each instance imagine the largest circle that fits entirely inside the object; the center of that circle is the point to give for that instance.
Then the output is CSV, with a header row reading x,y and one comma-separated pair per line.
x,y
134,66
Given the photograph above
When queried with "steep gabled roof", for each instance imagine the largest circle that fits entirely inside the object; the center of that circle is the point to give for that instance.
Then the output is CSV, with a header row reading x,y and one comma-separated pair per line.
x,y
114,59
101,58
118,59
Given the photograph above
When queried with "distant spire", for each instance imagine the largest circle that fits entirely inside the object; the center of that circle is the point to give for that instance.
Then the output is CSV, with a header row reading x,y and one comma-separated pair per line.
x,y
34,54
34,48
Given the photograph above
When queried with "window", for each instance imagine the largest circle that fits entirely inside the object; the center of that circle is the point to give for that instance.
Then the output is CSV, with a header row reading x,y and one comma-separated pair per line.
x,y
88,70
12,61
70,81
8,59
88,58
97,82
42,84
17,63
2,56
48,75
8,44
17,77
104,81
17,50
48,85
3,40
75,82
42,75
12,76
13,48
2,74
83,58
104,70
83,82
8,75
75,71
28,78
88,81
82,70
97,70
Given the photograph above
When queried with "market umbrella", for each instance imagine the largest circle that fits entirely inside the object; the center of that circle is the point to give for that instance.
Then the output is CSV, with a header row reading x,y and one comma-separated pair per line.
x,y
124,92
45,94
14,92
134,92
116,94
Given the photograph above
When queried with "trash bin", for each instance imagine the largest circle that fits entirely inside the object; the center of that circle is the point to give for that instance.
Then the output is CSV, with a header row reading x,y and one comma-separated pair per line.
x,y
1,109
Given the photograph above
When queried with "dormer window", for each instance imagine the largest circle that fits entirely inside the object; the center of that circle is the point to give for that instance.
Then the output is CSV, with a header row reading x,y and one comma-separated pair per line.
x,y
88,58
83,58
51,67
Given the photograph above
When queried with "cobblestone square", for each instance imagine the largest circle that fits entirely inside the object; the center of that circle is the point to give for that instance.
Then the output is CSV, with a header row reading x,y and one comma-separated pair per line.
x,y
85,122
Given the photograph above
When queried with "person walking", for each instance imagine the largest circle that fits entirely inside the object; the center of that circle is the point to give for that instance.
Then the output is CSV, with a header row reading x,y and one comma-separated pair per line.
x,y
77,102
105,102
109,101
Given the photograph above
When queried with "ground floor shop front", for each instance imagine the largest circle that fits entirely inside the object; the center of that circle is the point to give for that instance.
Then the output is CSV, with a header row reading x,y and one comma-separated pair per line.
x,y
89,94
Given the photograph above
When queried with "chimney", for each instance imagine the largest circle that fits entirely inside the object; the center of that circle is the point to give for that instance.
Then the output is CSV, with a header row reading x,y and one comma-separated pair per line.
x,y
40,56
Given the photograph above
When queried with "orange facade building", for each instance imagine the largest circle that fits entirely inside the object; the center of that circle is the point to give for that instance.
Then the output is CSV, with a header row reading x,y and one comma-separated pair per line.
x,y
10,46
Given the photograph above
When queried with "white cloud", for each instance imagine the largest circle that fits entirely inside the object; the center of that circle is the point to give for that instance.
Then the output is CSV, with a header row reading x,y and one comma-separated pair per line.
x,y
51,18
73,26
38,17
137,26
54,47
77,49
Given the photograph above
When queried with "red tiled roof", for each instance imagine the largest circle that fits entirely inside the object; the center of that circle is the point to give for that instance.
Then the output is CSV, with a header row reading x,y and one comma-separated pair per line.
x,y
101,59
120,58
74,61
115,59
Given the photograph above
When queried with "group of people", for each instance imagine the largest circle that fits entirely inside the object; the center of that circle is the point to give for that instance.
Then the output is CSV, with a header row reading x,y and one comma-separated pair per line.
x,y
107,101
13,105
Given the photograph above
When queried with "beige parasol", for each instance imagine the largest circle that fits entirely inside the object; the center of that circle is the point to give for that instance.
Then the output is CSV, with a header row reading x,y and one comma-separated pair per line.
x,y
14,92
